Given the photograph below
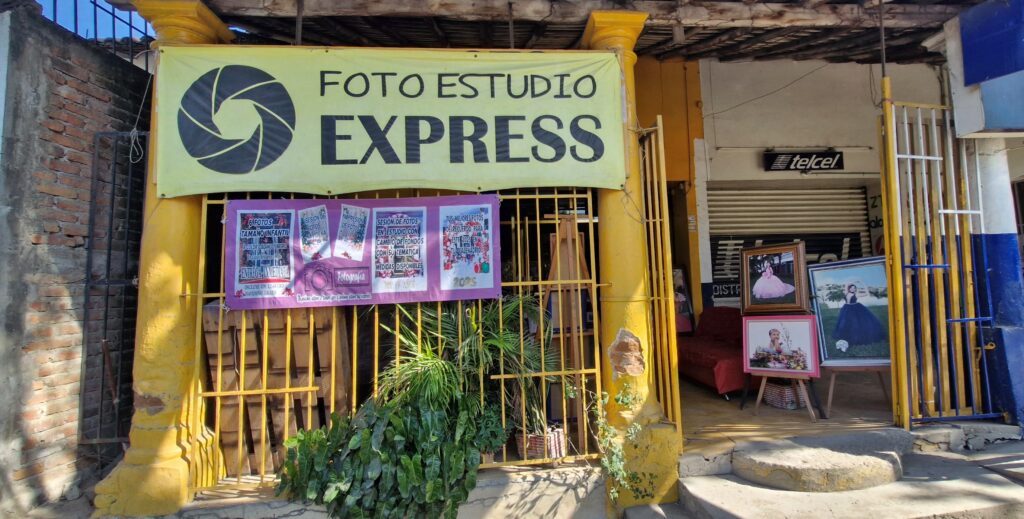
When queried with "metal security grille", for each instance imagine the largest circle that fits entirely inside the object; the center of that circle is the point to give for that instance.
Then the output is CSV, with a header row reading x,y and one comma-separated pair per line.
x,y
262,375
659,257
932,198
124,33
111,293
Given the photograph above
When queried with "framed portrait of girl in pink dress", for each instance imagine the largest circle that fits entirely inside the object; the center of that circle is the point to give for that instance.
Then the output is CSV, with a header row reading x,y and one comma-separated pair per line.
x,y
774,279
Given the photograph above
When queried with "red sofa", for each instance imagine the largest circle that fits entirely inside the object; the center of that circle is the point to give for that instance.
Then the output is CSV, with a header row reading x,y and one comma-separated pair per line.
x,y
713,356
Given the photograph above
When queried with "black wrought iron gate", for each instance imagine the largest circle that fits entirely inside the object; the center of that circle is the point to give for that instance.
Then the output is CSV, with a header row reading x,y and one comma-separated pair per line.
x,y
111,293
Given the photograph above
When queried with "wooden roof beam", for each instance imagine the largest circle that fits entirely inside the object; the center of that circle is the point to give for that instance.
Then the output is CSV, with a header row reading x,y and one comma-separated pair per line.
x,y
536,34
792,45
386,31
710,43
717,14
760,38
855,46
812,45
284,31
349,34
441,36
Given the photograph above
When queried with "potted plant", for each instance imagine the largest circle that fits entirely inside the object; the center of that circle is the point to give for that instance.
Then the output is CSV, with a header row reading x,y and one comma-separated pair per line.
x,y
491,434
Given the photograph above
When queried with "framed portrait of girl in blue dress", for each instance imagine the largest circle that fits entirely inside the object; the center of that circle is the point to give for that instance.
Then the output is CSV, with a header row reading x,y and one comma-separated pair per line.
x,y
851,300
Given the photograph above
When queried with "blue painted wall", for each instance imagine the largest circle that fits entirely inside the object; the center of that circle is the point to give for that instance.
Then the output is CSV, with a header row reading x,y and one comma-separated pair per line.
x,y
1004,283
993,40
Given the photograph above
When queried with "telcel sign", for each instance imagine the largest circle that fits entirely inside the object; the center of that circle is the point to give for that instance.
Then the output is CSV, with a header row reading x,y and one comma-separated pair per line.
x,y
803,161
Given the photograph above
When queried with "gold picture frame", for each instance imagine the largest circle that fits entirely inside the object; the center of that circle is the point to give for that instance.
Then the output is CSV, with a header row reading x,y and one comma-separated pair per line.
x,y
774,279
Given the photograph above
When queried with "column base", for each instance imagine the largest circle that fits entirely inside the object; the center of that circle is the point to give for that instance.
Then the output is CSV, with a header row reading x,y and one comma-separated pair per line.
x,y
159,488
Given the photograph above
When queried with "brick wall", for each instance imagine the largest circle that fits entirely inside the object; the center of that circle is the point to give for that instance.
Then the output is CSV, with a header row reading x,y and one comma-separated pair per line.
x,y
60,92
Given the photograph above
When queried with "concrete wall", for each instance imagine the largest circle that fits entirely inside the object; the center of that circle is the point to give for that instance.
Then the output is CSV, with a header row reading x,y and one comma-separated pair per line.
x,y
60,91
1015,154
749,107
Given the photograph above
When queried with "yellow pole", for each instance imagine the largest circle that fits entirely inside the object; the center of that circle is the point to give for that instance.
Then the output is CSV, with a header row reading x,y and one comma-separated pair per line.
x,y
153,477
625,299
894,260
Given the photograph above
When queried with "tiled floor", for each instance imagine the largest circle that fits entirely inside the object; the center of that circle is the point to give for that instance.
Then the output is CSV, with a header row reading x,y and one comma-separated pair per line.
x,y
712,425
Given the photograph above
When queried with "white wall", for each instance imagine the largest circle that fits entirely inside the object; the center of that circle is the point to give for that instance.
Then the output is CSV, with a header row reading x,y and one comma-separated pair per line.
x,y
834,105
1015,154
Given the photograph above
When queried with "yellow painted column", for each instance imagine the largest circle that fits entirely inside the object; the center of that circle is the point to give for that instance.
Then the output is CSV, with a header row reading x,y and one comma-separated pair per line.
x,y
153,477
625,300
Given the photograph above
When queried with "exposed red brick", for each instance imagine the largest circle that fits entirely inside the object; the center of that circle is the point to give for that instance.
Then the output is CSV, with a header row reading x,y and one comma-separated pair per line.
x,y
90,90
68,117
74,71
63,166
56,126
75,206
57,190
66,141
73,229
80,158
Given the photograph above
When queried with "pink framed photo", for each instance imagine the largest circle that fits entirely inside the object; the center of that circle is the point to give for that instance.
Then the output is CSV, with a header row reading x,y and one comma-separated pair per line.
x,y
781,346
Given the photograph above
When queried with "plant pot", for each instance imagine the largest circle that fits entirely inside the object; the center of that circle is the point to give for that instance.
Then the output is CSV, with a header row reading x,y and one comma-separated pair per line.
x,y
486,457
531,446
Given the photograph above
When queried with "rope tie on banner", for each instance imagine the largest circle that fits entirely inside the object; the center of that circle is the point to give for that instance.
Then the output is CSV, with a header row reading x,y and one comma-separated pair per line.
x,y
136,152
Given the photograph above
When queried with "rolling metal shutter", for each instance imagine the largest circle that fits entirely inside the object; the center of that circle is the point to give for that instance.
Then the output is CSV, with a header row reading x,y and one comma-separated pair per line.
x,y
833,224
789,211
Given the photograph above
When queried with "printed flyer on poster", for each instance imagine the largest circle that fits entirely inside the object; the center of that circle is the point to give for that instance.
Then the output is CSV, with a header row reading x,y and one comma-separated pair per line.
x,y
466,247
306,253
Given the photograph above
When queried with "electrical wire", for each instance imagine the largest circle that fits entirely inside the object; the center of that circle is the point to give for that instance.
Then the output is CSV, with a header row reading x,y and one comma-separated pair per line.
x,y
762,96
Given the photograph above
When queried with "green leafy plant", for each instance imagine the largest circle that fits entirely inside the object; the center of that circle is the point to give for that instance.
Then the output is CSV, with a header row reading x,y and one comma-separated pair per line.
x,y
612,444
491,434
478,341
388,461
414,450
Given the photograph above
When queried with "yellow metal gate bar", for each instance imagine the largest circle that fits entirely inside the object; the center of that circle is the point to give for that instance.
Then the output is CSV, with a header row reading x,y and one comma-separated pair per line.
x,y
935,316
659,257
264,374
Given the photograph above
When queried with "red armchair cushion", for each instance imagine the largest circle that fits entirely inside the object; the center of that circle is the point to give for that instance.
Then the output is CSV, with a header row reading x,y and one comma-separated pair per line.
x,y
721,323
714,355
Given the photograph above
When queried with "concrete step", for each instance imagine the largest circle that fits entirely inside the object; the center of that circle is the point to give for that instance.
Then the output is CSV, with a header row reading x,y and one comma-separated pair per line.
x,y
662,511
963,436
824,464
939,485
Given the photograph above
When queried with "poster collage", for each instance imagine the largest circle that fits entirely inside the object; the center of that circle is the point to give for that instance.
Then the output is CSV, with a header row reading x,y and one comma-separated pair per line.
x,y
299,253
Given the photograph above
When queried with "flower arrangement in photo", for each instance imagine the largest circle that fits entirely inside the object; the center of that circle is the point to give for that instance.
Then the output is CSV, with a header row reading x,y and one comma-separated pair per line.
x,y
779,354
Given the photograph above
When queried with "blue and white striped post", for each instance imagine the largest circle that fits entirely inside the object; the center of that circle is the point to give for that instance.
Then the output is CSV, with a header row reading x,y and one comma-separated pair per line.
x,y
1002,286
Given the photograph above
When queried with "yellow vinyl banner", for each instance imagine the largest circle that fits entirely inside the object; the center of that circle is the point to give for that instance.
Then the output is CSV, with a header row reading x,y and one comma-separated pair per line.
x,y
340,120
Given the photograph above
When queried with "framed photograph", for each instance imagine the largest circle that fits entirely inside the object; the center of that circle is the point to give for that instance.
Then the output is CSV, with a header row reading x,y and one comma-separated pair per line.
x,y
851,300
781,345
773,279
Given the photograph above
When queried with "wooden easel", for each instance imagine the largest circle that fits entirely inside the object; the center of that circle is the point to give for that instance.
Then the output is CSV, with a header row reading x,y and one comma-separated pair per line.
x,y
798,384
879,370
569,263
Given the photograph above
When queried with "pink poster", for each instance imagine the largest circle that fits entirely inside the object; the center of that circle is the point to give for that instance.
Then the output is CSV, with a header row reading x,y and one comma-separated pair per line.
x,y
304,253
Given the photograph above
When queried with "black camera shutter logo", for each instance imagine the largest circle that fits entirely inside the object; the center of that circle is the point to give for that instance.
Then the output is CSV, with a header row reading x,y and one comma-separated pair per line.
x,y
232,84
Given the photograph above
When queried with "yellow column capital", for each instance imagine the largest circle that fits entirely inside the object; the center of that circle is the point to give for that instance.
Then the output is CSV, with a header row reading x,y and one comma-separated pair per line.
x,y
183,21
614,30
